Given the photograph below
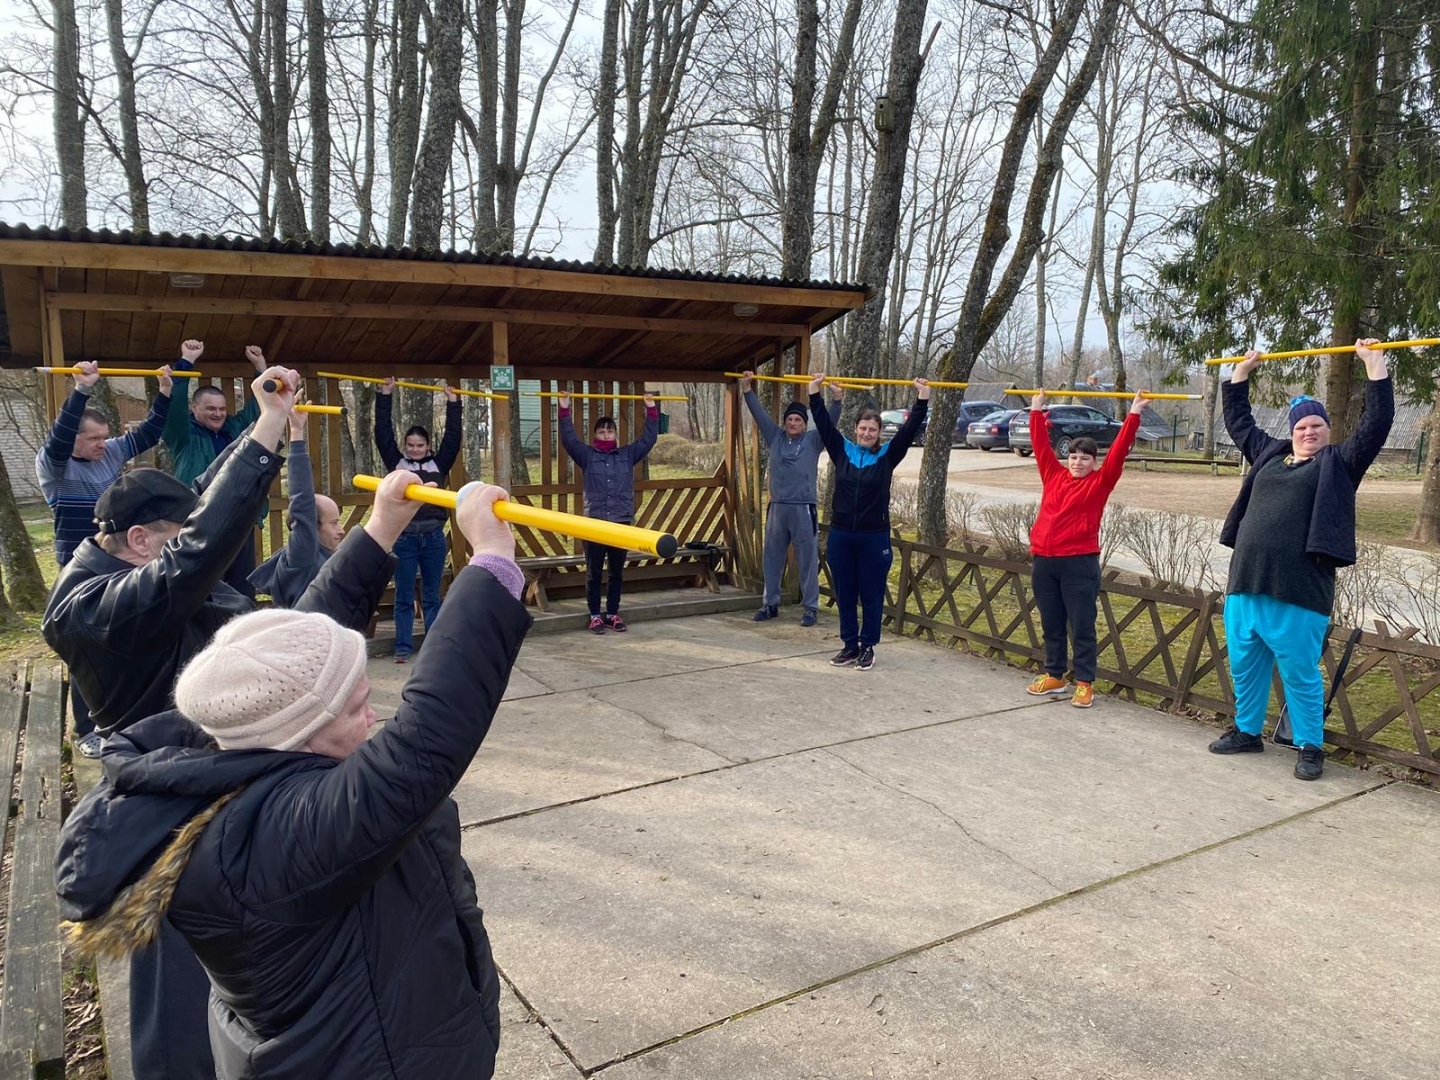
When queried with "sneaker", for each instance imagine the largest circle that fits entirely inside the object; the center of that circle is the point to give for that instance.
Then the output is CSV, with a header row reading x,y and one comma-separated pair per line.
x,y
866,659
766,612
1310,764
846,656
597,624
90,745
1236,741
809,618
1047,686
614,622
1084,695
402,658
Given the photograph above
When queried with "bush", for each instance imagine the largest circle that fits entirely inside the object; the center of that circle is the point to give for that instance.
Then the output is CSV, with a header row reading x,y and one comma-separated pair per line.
x,y
678,452
1115,529
962,508
1408,592
1008,525
1173,548
905,505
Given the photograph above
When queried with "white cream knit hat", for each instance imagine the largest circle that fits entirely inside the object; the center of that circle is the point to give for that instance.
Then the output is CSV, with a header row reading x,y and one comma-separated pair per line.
x,y
271,679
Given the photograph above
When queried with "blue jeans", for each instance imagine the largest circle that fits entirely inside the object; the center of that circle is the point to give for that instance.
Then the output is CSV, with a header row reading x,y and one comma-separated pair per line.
x,y
859,567
425,551
1262,633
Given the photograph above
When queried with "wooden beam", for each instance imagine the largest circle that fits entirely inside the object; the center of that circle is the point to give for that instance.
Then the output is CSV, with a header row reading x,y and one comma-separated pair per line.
x,y
264,264
630,339
211,305
639,375
282,331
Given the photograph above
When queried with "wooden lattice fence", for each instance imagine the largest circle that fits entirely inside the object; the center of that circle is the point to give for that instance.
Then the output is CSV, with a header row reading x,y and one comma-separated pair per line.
x,y
1166,646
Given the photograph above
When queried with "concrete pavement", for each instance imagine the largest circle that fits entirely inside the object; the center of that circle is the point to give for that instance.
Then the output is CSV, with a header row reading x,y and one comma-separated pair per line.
x,y
705,853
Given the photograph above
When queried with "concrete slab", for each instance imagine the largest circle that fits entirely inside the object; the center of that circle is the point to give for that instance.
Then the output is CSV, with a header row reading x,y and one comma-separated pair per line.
x,y
527,1052
387,679
633,918
1296,952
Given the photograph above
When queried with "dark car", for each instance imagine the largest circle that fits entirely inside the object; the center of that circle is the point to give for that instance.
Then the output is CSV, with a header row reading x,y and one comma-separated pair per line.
x,y
1067,422
992,432
970,411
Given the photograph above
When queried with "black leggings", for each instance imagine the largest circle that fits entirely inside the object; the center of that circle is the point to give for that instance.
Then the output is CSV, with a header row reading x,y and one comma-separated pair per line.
x,y
596,556
1066,587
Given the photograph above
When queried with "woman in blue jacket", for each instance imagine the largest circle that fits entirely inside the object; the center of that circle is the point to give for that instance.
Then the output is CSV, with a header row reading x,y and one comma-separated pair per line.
x,y
609,470
858,550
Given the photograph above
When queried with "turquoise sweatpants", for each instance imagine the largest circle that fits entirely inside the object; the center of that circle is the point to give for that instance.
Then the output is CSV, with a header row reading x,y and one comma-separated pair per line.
x,y
1261,632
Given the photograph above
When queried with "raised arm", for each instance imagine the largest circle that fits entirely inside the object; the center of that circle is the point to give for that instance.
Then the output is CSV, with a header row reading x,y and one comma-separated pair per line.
x,y
829,433
350,827
769,429
136,442
177,432
385,426
578,451
637,450
1050,468
1239,420
60,443
1363,446
453,440
1113,467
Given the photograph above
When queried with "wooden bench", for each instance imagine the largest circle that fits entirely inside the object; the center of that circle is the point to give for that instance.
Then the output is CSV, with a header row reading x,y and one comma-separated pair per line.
x,y
32,1011
697,566
1145,462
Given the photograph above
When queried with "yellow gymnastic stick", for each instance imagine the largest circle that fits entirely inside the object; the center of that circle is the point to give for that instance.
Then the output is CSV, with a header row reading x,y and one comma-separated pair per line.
x,y
1328,350
605,397
857,380
409,385
1126,394
121,372
610,533
319,410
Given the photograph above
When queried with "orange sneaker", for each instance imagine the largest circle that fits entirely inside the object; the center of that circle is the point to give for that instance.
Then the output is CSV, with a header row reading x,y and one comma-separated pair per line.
x,y
1047,686
1084,695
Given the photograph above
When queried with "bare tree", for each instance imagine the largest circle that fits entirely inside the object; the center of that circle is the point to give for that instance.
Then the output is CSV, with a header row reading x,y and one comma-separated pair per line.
x,y
68,117
319,72
432,165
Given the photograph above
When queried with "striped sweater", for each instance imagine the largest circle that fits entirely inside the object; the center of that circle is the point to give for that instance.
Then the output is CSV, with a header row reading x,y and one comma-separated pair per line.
x,y
73,487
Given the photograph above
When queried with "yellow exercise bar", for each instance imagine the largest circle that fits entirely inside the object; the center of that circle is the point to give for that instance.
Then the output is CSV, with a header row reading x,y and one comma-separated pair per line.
x,y
582,528
1126,394
121,372
409,385
605,397
1327,350
320,410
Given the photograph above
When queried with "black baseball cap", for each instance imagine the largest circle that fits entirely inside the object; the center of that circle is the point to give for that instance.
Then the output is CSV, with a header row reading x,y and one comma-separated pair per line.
x,y
142,496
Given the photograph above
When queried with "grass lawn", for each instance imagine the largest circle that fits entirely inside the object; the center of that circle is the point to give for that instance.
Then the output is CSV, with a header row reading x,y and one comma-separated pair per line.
x,y
23,641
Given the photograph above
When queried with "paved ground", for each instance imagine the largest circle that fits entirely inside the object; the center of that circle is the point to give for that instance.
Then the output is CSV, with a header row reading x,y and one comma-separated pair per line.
x,y
705,853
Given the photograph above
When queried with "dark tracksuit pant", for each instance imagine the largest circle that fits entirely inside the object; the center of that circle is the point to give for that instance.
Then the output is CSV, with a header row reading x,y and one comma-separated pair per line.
x,y
1066,588
859,566
596,556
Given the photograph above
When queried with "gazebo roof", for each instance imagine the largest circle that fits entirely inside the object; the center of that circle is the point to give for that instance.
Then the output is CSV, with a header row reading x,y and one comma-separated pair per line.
x,y
126,297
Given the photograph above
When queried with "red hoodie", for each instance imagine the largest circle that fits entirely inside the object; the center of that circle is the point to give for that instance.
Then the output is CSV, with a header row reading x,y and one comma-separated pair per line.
x,y
1070,509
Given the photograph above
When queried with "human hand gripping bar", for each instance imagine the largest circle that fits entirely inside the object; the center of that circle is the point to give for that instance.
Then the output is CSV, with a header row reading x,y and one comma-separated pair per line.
x,y
609,533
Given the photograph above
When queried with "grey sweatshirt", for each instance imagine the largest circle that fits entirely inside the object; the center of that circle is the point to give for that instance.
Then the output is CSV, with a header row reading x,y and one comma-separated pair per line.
x,y
793,462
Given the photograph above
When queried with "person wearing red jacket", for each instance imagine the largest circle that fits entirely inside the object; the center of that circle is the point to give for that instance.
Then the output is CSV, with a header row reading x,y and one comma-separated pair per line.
x,y
1065,541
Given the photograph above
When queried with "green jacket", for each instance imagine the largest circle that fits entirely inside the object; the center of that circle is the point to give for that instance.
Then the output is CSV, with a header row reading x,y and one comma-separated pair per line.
x,y
193,447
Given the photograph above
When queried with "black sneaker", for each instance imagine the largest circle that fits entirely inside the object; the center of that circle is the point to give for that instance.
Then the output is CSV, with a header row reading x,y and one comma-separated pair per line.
x,y
808,619
1236,741
767,612
1310,764
866,660
846,656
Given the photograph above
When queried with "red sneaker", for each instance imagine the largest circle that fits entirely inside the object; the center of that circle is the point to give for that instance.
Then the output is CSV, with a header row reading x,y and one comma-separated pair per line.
x,y
597,624
614,622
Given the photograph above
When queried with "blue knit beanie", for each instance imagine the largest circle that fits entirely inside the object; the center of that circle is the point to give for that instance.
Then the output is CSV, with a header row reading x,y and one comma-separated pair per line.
x,y
796,409
1303,406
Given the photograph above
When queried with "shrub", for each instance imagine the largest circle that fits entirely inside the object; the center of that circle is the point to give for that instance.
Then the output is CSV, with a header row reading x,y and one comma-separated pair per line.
x,y
1008,525
1174,548
678,452
1115,529
904,505
962,508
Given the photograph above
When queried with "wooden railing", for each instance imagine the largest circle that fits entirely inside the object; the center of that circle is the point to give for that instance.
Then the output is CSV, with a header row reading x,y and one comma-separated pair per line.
x,y
1165,646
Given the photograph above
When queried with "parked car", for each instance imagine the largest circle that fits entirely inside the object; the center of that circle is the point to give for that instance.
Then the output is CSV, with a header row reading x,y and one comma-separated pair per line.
x,y
992,432
970,411
1067,422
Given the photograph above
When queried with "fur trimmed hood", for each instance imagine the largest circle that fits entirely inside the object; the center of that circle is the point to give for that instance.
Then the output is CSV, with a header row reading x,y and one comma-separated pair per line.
x,y
124,847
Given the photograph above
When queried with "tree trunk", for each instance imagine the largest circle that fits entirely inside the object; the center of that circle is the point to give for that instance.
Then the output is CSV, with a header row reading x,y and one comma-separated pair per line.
x,y
487,48
519,468
365,196
404,113
981,309
797,221
432,165
605,96
131,160
315,37
1427,520
23,581
289,209
69,120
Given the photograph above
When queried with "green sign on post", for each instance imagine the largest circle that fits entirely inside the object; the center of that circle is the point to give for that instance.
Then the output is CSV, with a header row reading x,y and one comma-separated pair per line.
x,y
502,377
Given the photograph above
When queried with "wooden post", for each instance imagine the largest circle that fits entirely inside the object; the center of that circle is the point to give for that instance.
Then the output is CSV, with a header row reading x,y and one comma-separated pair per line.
x,y
500,414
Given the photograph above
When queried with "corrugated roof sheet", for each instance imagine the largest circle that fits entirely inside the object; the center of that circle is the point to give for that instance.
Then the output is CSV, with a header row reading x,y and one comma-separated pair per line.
x,y
375,251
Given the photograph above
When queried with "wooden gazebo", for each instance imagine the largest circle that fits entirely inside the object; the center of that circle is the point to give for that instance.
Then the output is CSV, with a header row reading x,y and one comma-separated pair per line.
x,y
130,298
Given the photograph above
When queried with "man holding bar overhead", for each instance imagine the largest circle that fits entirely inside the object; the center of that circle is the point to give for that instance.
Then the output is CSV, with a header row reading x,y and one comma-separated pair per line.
x,y
609,470
78,462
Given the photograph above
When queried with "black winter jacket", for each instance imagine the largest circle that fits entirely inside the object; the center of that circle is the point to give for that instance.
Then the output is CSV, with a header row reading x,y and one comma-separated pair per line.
x,y
609,474
862,477
126,631
1330,532
327,900
432,468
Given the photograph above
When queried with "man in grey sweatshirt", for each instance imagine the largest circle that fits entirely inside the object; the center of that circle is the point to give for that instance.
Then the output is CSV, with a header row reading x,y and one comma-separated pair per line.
x,y
790,520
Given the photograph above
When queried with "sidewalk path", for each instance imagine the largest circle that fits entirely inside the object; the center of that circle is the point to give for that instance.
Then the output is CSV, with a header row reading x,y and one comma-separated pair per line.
x,y
705,853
